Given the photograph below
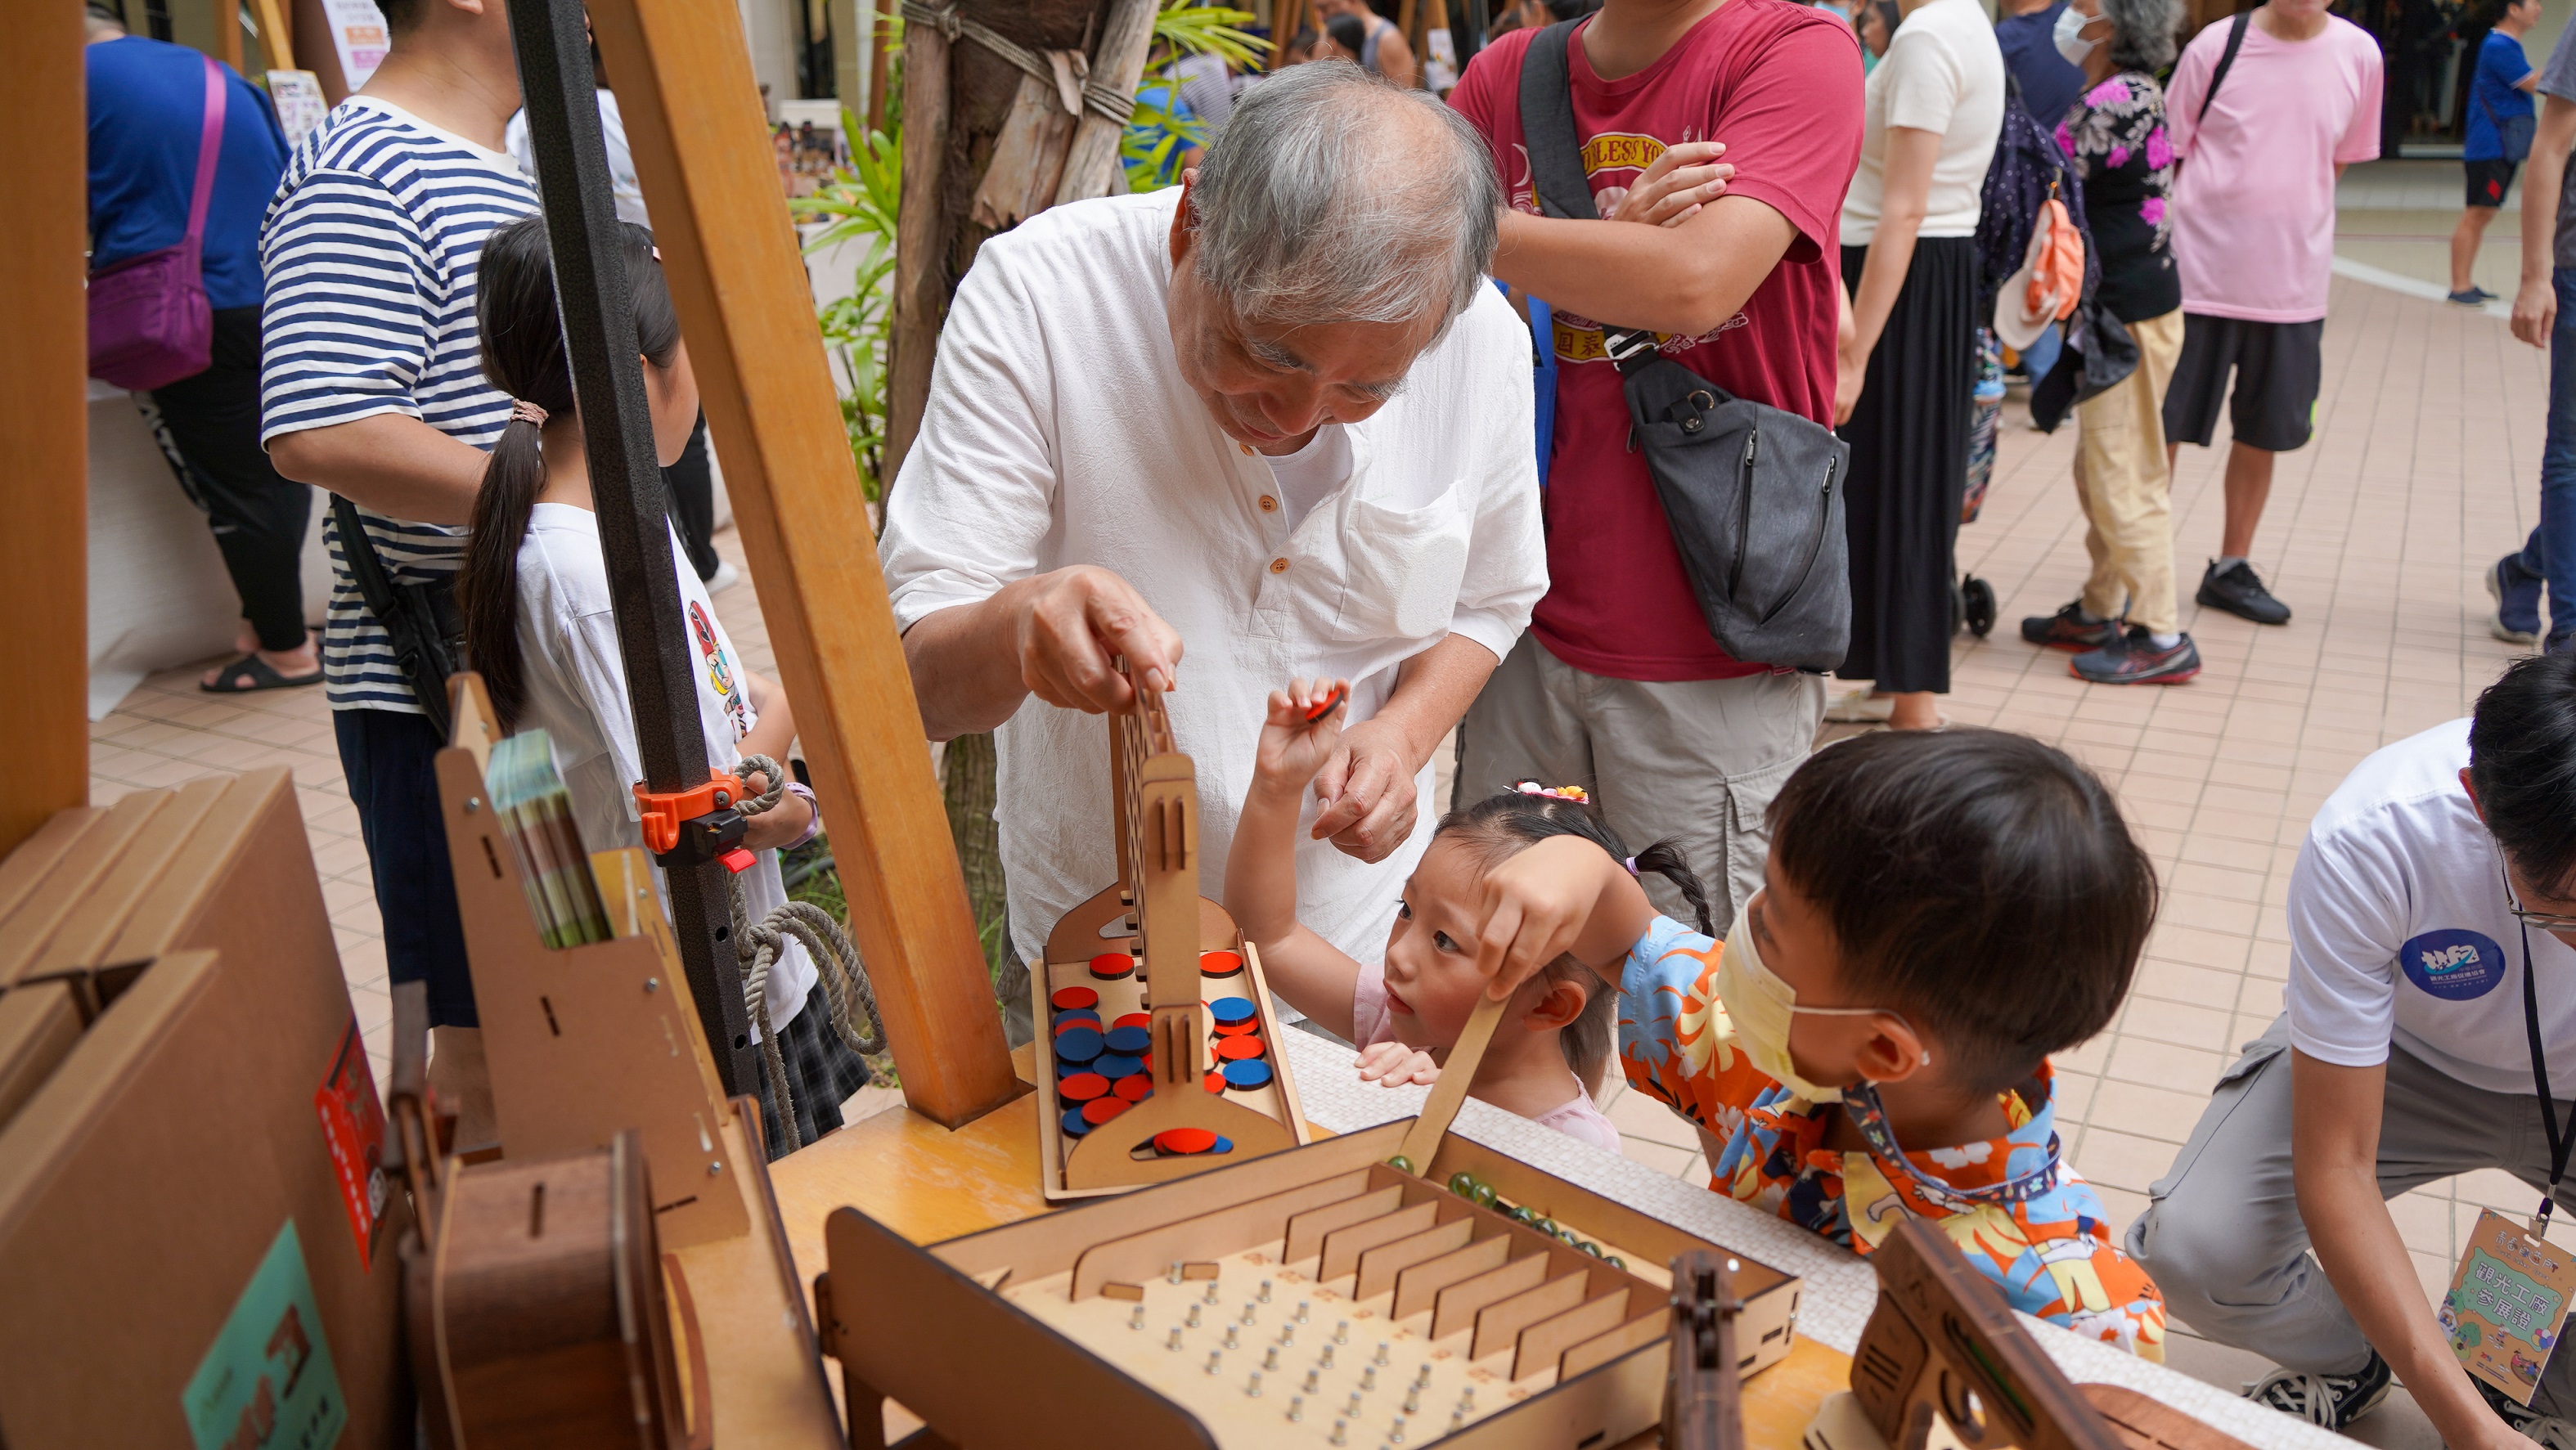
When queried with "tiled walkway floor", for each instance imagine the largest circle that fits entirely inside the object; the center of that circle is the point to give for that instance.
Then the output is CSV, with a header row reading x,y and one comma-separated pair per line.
x,y
2422,473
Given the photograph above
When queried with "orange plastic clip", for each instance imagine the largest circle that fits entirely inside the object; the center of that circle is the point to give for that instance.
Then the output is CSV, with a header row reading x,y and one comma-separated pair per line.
x,y
663,811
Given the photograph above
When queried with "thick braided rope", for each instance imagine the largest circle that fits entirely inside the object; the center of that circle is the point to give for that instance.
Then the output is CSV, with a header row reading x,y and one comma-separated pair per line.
x,y
1101,100
758,945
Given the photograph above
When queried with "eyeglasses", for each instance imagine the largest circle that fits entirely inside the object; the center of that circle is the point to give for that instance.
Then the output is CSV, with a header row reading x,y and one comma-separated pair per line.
x,y
2544,920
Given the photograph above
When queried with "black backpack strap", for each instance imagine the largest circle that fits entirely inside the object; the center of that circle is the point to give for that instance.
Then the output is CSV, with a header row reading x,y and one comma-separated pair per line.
x,y
2226,59
1556,162
412,618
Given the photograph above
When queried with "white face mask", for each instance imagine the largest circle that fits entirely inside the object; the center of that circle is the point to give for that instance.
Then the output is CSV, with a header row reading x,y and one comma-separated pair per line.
x,y
1761,1006
2069,35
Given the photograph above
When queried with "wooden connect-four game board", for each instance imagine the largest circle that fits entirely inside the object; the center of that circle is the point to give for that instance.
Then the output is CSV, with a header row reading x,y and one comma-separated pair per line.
x,y
1158,1047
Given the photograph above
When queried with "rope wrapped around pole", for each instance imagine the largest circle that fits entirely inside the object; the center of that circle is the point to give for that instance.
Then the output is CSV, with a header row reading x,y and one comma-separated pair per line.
x,y
1102,101
759,944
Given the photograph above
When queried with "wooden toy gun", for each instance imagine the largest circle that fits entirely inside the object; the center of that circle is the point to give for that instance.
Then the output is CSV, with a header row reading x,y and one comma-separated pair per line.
x,y
1943,1359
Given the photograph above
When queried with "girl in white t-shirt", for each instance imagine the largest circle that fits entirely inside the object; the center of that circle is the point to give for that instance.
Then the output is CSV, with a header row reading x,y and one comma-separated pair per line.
x,y
1549,1053
540,628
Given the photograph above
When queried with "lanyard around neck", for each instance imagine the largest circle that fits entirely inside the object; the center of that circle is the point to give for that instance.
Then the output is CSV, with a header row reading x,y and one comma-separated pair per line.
x,y
2560,1132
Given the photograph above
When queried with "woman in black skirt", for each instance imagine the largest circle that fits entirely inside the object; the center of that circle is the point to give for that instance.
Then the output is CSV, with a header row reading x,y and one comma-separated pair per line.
x,y
1934,107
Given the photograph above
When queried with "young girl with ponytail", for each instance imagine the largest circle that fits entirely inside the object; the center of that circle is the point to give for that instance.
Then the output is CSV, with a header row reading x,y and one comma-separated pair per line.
x,y
540,629
1549,1055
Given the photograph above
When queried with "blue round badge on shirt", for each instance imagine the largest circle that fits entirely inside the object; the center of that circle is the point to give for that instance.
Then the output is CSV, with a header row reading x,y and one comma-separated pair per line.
x,y
2452,964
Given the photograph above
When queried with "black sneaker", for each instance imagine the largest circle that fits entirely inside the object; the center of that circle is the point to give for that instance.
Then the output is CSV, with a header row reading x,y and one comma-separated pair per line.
x,y
2517,612
2068,629
2133,659
2545,1430
2240,593
2332,1401
2473,297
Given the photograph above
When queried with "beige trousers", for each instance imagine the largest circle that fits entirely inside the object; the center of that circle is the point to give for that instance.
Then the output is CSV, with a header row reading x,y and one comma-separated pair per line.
x,y
2121,477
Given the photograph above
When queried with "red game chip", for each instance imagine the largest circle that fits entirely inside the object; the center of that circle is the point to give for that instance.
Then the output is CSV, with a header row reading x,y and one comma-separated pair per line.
x,y
1101,1110
1214,1082
1185,1140
1238,1029
1082,1087
1135,1087
1068,998
1239,1049
1133,1019
1220,964
1110,966
1064,1025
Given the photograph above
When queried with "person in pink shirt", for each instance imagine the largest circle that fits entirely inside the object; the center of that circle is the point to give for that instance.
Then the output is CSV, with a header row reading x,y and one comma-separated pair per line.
x,y
2265,110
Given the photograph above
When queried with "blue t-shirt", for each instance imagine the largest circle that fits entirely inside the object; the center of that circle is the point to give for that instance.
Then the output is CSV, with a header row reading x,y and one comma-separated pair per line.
x,y
1149,133
147,112
2492,96
2049,85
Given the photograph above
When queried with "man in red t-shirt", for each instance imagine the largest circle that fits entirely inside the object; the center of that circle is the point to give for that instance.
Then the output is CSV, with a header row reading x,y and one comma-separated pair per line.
x,y
1618,685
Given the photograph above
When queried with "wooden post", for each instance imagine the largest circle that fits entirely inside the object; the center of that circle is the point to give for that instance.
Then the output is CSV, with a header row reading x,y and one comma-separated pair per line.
x,y
44,420
227,18
920,241
746,307
1119,64
276,37
880,16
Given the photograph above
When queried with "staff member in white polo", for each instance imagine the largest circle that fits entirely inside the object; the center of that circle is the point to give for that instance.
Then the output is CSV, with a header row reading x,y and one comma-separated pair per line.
x,y
1273,422
2430,1031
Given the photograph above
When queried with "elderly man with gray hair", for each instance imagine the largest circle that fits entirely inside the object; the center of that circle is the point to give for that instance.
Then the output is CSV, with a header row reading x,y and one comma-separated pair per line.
x,y
1271,423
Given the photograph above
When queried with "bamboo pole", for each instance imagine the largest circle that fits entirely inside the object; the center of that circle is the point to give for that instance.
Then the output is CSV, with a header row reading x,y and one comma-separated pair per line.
x,y
702,152
44,420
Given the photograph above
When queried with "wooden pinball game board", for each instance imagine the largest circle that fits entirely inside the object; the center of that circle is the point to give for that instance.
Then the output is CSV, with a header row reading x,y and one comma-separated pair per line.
x,y
1158,1056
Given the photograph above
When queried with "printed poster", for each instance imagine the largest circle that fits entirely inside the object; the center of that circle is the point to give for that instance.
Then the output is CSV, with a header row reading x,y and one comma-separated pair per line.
x,y
297,95
358,33
268,1382
2507,1304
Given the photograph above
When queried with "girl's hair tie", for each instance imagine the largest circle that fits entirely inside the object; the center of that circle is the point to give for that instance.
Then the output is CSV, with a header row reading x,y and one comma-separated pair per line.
x,y
1572,793
1631,864
523,411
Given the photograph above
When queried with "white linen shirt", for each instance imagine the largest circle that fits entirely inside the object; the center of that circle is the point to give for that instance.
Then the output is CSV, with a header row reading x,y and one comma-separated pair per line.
x,y
1059,432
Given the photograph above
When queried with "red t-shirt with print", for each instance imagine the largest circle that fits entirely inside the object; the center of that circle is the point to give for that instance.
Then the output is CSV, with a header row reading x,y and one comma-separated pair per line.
x,y
1780,84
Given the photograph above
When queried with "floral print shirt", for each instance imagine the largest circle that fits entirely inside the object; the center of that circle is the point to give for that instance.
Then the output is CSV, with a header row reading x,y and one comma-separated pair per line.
x,y
2020,1213
2116,137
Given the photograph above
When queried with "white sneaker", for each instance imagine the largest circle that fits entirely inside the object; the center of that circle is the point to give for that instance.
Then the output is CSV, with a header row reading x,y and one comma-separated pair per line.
x,y
727,576
1856,706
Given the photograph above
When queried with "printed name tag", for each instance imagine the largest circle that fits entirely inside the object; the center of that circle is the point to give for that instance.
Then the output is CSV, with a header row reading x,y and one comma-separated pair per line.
x,y
2508,1300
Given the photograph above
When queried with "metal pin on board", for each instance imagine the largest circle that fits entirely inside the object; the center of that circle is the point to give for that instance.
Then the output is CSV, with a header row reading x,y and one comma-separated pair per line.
x,y
1175,1340
1215,1358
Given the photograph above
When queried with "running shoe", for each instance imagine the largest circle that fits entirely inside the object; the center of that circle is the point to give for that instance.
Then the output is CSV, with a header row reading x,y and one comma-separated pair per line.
x,y
2331,1401
2241,593
2069,629
2517,612
2133,659
2473,297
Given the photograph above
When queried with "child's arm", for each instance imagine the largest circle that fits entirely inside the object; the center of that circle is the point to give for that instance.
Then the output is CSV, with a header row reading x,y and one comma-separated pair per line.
x,y
1562,895
770,735
1261,871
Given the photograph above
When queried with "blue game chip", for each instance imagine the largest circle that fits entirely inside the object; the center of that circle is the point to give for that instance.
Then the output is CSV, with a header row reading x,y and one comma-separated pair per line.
x,y
1115,1065
1231,1009
1077,1014
1130,1040
1223,1145
1065,1070
1082,1044
1247,1074
1074,1126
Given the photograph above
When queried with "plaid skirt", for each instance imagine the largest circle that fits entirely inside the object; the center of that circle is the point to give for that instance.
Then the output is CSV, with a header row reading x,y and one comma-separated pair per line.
x,y
822,1073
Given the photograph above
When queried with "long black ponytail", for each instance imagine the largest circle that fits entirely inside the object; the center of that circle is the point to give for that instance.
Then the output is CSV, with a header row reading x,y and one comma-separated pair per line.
x,y
1502,826
521,333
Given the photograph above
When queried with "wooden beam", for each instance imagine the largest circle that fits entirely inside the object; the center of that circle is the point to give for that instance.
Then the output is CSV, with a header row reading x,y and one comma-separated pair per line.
x,y
276,36
920,242
228,46
748,313
44,420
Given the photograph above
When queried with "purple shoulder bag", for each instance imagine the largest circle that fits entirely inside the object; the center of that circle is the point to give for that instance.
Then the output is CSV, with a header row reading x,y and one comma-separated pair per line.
x,y
149,322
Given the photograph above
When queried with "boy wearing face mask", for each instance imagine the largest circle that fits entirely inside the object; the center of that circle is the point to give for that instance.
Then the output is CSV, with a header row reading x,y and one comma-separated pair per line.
x,y
1940,911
